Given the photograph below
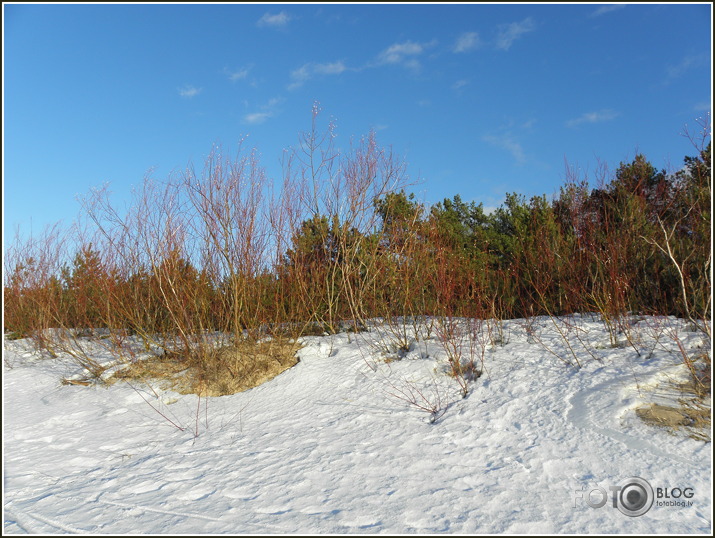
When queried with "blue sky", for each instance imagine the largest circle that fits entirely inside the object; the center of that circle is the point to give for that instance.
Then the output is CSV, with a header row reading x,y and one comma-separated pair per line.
x,y
479,99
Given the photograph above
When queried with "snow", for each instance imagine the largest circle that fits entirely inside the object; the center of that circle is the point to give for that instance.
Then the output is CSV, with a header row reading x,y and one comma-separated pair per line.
x,y
330,446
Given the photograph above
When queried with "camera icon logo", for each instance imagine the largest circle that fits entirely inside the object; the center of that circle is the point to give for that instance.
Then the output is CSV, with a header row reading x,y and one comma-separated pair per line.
x,y
635,497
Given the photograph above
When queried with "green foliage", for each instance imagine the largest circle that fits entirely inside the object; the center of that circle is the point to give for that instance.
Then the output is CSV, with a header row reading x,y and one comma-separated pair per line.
x,y
396,209
317,243
690,217
601,249
401,218
326,263
83,285
463,226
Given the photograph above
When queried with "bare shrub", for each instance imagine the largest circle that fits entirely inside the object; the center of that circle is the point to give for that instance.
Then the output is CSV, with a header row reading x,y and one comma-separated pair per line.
x,y
333,262
232,230
428,397
33,299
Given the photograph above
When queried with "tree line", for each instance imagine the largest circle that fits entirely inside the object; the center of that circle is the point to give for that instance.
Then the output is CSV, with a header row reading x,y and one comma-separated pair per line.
x,y
342,240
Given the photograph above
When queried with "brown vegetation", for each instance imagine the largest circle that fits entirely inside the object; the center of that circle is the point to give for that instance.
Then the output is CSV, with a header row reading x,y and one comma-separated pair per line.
x,y
226,257
225,370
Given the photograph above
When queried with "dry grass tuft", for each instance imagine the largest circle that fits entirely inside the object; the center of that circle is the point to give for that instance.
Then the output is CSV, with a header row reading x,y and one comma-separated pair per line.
x,y
691,415
219,372
701,381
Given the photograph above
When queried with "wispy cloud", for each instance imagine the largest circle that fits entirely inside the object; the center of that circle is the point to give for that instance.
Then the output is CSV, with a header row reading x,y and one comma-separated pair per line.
x,y
466,42
189,91
508,33
593,117
608,8
405,54
277,20
507,142
255,118
233,76
264,112
460,84
334,68
307,71
686,64
399,51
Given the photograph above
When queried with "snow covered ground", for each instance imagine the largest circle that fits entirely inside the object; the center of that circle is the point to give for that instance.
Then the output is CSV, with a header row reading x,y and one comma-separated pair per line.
x,y
330,445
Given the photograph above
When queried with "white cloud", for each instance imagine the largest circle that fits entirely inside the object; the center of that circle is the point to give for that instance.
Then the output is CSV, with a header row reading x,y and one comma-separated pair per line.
x,y
412,64
608,8
687,63
508,33
399,51
466,42
460,84
233,76
593,117
307,71
404,53
334,68
299,76
277,20
508,143
269,110
256,118
189,91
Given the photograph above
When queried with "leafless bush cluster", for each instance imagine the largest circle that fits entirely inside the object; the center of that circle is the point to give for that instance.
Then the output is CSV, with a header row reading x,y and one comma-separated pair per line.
x,y
212,258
